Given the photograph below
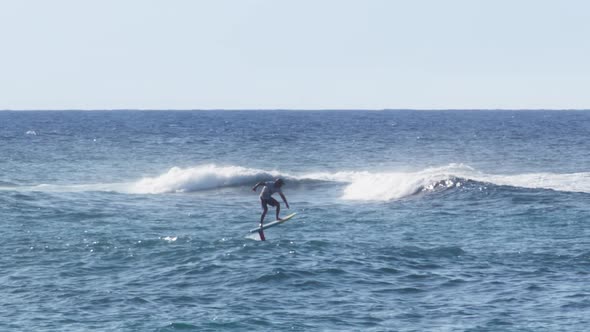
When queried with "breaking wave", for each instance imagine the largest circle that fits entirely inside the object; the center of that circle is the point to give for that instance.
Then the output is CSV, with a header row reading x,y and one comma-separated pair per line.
x,y
200,178
395,185
363,185
357,185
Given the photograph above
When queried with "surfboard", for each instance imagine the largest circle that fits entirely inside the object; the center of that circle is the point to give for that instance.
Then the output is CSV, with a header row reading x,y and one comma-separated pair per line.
x,y
273,223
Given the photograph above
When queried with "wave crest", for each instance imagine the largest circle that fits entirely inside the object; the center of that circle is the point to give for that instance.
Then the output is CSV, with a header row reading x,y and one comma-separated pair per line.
x,y
200,178
358,185
395,185
392,186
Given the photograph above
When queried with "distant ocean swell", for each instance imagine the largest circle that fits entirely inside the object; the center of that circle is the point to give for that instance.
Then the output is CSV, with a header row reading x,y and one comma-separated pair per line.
x,y
358,185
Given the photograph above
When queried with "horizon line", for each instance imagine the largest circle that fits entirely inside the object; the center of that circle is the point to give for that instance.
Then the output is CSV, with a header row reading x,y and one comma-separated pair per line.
x,y
286,109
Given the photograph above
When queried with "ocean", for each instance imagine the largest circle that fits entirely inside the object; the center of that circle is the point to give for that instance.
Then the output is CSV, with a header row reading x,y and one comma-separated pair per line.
x,y
406,221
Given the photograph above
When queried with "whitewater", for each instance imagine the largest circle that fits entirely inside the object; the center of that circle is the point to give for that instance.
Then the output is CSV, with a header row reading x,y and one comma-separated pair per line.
x,y
406,221
359,185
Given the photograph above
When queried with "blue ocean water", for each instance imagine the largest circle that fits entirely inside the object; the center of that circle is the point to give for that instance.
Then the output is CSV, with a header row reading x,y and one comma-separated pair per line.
x,y
407,221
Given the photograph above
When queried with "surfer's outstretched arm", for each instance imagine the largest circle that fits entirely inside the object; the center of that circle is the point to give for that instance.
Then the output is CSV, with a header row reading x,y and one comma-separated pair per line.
x,y
284,200
257,185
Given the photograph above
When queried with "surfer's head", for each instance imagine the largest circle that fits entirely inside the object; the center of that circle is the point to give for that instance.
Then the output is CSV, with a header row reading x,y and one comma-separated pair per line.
x,y
279,182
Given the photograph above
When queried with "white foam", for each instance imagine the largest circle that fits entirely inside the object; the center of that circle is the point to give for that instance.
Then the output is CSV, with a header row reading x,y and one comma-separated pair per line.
x,y
169,238
358,185
199,178
395,185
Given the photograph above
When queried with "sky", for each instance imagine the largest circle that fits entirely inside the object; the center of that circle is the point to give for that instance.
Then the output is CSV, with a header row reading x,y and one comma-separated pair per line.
x,y
304,54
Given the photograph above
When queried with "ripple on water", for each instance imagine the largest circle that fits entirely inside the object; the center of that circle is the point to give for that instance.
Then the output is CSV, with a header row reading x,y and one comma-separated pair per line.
x,y
178,327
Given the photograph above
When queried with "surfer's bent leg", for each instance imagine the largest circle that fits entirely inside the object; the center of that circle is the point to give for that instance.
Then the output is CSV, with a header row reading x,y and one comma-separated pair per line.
x,y
275,203
264,210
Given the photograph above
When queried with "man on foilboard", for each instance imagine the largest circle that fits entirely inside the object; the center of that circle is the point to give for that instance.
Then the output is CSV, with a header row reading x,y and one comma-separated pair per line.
x,y
270,188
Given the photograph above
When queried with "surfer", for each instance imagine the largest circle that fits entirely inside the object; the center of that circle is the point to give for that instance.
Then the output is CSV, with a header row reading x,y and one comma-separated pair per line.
x,y
270,187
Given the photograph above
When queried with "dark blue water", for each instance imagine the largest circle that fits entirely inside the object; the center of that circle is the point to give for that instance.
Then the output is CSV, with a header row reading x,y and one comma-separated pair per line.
x,y
407,221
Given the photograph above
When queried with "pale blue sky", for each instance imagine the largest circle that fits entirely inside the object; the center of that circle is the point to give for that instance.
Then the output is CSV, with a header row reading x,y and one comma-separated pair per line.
x,y
304,54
